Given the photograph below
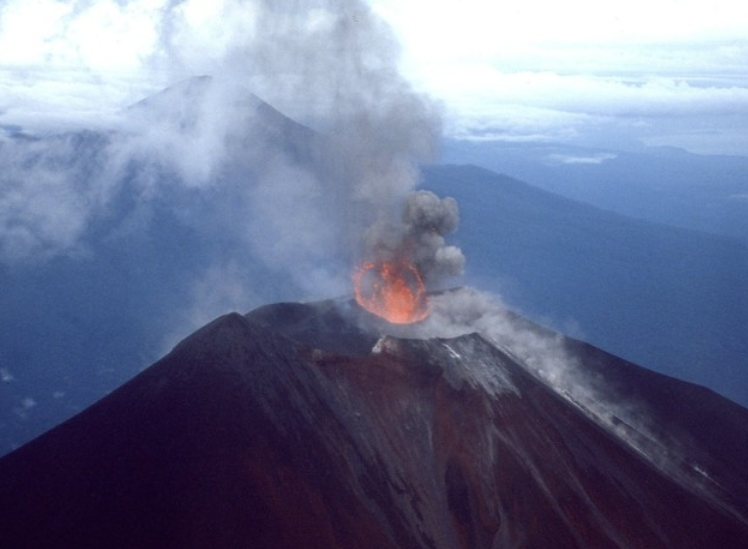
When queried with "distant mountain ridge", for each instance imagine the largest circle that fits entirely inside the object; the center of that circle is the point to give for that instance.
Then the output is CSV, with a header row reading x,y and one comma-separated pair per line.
x,y
667,185
668,298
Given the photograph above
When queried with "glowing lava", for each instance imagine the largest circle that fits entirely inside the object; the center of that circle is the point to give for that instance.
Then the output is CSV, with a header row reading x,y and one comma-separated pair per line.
x,y
393,290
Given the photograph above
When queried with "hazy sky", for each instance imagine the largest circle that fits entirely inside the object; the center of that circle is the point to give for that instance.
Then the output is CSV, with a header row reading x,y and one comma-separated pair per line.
x,y
661,72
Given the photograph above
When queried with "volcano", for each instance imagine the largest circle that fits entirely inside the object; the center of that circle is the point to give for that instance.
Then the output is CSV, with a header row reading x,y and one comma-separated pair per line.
x,y
308,426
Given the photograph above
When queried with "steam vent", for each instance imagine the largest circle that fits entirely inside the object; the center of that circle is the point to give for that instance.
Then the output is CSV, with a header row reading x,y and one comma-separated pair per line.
x,y
302,426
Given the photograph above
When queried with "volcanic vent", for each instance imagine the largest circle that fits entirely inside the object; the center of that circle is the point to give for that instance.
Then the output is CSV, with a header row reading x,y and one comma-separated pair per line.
x,y
401,259
302,425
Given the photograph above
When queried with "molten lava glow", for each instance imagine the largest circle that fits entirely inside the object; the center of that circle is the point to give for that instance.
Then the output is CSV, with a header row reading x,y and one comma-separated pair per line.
x,y
392,290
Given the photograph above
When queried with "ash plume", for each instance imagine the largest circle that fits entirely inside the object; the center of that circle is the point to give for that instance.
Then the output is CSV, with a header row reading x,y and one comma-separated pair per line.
x,y
418,237
373,127
306,201
428,219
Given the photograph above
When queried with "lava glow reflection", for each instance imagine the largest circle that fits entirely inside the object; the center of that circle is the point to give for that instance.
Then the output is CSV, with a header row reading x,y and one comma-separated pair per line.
x,y
393,290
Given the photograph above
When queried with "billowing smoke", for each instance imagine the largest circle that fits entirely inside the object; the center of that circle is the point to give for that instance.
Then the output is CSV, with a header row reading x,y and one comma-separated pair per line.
x,y
340,75
428,219
417,237
307,200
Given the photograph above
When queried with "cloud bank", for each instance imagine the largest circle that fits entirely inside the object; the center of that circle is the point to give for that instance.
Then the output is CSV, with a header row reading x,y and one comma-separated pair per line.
x,y
583,72
653,74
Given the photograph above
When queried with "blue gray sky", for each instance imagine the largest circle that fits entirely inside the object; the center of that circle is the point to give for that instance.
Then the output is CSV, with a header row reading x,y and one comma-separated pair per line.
x,y
610,74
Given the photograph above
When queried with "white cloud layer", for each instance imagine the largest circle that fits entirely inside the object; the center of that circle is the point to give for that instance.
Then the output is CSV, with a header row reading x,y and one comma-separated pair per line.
x,y
582,71
535,70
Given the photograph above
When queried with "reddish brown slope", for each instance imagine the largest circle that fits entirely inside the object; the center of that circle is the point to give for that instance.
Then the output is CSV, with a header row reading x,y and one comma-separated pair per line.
x,y
242,438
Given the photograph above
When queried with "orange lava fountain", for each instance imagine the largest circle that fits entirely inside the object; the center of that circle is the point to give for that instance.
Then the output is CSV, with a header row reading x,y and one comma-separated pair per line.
x,y
393,290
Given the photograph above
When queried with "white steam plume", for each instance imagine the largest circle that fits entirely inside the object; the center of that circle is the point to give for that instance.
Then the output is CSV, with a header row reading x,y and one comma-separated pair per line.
x,y
546,356
304,202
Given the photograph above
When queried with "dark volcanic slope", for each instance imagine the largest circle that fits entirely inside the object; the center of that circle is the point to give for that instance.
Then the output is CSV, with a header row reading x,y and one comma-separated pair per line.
x,y
243,438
